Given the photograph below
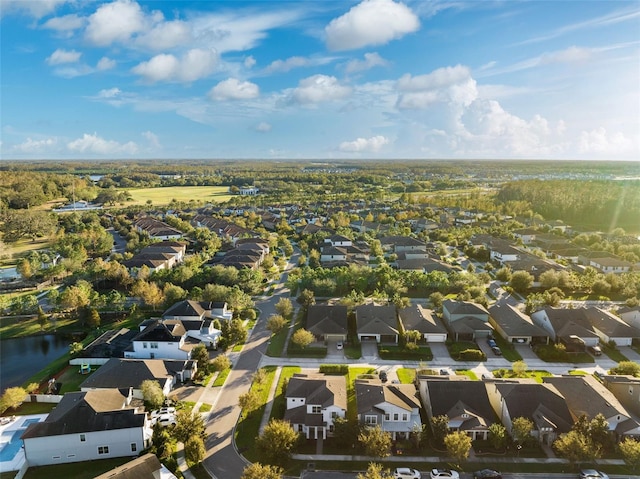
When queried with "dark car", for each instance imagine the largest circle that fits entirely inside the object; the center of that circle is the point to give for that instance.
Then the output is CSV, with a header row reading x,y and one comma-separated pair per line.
x,y
383,376
487,474
492,342
496,350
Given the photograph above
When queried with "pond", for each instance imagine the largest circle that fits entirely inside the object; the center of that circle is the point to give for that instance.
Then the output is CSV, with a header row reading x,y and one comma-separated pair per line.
x,y
21,358
8,273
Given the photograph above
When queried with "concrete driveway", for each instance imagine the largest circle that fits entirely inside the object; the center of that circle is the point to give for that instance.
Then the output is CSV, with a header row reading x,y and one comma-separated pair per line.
x,y
440,352
526,352
369,349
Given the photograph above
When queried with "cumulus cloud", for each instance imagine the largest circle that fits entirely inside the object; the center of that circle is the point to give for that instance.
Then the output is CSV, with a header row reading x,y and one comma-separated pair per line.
x,y
193,65
105,63
36,9
319,88
36,146
109,93
166,35
370,61
249,62
234,89
152,138
115,22
602,142
368,145
263,127
65,24
61,56
372,22
448,84
286,65
97,145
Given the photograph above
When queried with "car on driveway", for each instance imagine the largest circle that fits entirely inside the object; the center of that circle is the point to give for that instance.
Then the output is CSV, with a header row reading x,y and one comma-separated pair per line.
x,y
406,473
444,474
592,474
487,474
165,420
383,376
496,350
339,345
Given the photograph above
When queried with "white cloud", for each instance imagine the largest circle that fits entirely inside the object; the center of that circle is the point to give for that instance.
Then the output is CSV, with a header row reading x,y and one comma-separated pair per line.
x,y
370,61
36,146
152,138
72,71
233,89
288,64
448,84
263,127
35,8
249,62
109,93
369,145
166,35
319,88
599,141
193,65
97,145
570,55
61,56
372,22
105,63
115,22
65,24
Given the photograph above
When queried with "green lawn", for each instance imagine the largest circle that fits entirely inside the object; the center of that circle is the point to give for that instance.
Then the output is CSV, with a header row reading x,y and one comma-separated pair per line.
x,y
75,470
536,374
18,249
613,353
467,372
353,350
164,195
71,378
423,353
406,375
276,343
279,402
457,348
508,350
28,408
221,377
354,372
18,328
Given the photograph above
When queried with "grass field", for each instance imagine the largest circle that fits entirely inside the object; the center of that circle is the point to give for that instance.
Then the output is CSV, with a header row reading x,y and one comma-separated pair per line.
x,y
164,195
11,252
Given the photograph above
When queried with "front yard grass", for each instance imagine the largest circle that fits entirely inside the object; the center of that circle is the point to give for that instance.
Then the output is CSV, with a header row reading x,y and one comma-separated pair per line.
x,y
353,350
422,353
75,470
406,375
551,354
279,401
457,351
467,372
276,343
614,353
536,374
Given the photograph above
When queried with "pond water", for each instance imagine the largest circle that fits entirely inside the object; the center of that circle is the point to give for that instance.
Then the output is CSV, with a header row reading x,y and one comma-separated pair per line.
x,y
21,358
8,273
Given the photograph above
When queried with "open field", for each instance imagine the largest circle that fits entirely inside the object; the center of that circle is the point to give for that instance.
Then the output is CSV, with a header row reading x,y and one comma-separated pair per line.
x,y
164,195
11,252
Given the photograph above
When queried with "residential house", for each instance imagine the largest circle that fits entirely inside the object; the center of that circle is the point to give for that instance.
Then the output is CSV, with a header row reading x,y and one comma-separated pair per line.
x,y
515,326
626,389
227,230
338,241
591,325
611,265
586,396
403,244
504,253
526,235
342,255
394,407
119,373
147,466
377,322
248,191
466,320
423,224
314,401
87,426
156,229
189,310
327,322
417,318
630,315
80,205
540,403
464,402
423,265
157,256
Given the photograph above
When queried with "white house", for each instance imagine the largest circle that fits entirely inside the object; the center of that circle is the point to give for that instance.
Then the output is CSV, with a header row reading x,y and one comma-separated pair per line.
x,y
314,402
87,426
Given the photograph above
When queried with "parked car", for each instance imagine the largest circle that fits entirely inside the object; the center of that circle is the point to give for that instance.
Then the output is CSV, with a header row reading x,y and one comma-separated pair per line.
x,y
339,345
592,474
492,343
444,372
383,376
165,420
487,474
595,350
444,474
406,473
496,350
163,411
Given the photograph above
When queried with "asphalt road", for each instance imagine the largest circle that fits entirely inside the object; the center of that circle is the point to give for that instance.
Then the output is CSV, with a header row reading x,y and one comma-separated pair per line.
x,y
463,475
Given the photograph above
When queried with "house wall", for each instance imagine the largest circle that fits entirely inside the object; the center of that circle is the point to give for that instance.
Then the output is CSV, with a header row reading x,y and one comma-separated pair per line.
x,y
628,393
165,350
42,451
632,318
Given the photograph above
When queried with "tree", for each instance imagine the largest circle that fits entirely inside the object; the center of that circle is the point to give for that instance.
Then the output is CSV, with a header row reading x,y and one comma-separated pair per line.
x,y
306,298
519,368
277,441
152,393
412,336
630,450
194,449
188,425
262,471
521,429
284,307
233,332
302,338
249,401
12,398
629,368
276,323
497,435
458,445
220,363
574,446
94,319
75,348
164,446
200,354
345,432
42,318
521,281
150,293
440,428
375,471
375,441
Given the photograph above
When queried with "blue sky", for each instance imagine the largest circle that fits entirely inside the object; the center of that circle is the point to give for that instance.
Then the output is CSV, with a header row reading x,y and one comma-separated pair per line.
x,y
320,79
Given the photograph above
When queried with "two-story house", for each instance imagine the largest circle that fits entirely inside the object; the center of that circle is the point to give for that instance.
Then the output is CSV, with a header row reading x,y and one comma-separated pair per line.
x,y
466,320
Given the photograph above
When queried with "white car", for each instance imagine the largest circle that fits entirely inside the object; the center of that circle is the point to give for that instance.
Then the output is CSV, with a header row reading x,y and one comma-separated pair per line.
x,y
444,474
406,473
165,420
339,345
592,474
162,411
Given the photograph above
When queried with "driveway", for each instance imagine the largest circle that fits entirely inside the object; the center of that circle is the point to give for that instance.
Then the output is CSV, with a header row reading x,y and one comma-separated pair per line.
x,y
369,349
630,353
526,352
440,352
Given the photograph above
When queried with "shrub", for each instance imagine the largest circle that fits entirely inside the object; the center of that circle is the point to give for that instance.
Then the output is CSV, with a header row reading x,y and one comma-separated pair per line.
x,y
472,355
337,369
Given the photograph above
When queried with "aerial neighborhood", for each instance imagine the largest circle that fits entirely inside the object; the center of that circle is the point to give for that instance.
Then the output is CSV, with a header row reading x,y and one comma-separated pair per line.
x,y
414,318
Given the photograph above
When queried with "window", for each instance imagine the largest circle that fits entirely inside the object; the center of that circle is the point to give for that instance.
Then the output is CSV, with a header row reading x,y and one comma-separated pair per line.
x,y
55,457
396,416
71,455
387,417
331,428
405,417
316,409
144,345
103,450
83,437
334,415
300,428
153,345
134,447
371,420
